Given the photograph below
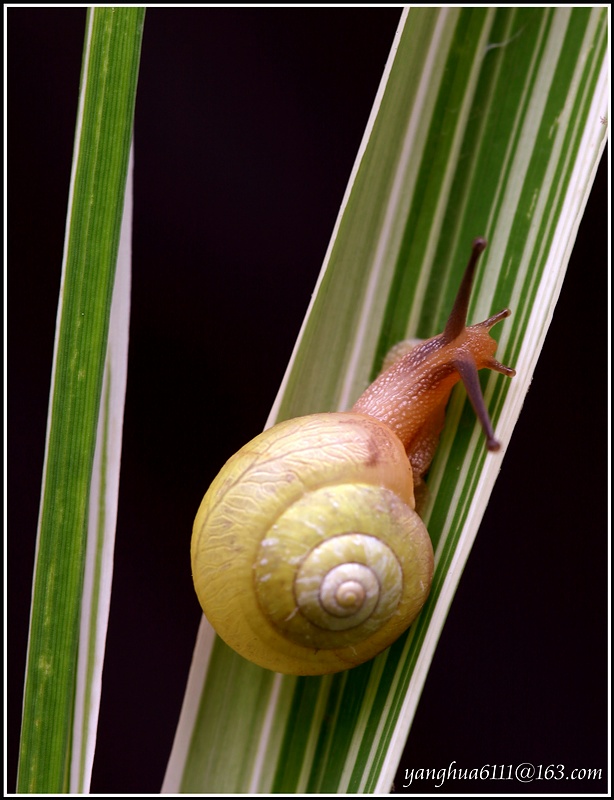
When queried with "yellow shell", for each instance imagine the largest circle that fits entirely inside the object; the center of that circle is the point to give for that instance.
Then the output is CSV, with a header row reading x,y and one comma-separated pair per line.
x,y
307,554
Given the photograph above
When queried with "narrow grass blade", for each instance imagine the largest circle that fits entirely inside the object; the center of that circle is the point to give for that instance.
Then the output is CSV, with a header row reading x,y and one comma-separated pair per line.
x,y
489,121
102,517
86,402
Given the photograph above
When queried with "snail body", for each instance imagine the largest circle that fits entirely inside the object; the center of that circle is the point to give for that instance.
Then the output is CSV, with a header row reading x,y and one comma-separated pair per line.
x,y
308,554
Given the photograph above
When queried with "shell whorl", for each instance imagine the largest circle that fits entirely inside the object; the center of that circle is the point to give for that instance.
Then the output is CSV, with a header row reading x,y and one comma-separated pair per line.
x,y
345,595
340,564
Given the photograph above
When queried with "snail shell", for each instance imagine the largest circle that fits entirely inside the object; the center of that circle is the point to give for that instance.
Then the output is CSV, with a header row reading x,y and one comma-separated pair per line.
x,y
305,568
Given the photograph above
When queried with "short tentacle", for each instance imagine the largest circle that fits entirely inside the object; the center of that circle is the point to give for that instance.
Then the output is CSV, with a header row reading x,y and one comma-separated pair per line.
x,y
497,366
492,321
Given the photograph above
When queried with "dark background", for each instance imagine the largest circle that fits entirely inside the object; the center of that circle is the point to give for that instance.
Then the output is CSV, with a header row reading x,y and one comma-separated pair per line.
x,y
247,125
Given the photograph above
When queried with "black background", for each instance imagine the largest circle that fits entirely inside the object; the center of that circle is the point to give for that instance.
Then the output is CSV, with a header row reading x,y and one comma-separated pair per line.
x,y
247,126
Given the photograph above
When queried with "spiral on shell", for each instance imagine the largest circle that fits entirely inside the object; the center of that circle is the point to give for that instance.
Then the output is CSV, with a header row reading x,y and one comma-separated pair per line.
x,y
307,554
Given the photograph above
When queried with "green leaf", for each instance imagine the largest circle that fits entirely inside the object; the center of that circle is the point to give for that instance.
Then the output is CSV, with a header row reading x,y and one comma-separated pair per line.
x,y
79,496
487,122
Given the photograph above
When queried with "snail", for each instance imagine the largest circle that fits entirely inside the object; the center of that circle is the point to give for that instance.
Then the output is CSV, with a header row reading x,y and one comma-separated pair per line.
x,y
308,555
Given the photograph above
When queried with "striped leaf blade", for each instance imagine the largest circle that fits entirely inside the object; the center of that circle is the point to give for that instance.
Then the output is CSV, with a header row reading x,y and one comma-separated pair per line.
x,y
487,122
